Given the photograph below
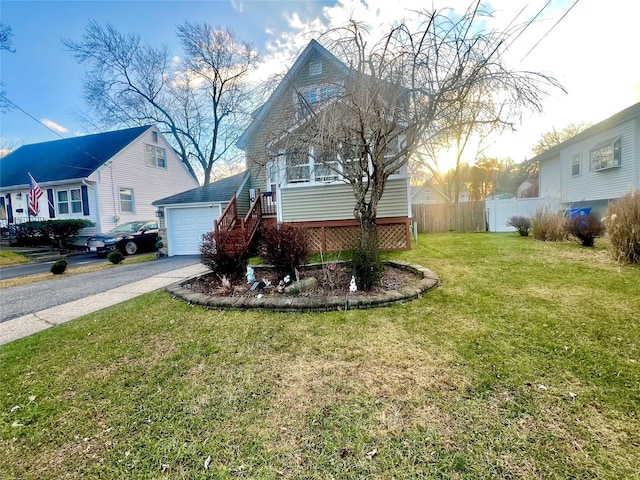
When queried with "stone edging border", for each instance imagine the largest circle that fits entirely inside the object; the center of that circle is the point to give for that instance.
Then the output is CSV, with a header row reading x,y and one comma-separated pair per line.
x,y
300,304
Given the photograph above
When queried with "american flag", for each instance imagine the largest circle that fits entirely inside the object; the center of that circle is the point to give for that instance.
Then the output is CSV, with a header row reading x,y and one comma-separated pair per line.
x,y
35,192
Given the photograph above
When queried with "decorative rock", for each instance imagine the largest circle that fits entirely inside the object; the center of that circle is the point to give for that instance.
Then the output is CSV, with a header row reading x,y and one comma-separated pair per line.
x,y
301,286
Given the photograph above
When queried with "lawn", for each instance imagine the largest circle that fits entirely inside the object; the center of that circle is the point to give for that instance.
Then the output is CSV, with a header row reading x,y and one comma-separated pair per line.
x,y
523,364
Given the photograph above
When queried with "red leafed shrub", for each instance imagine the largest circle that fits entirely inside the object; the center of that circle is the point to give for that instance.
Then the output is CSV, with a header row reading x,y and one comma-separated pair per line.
x,y
224,252
585,228
285,246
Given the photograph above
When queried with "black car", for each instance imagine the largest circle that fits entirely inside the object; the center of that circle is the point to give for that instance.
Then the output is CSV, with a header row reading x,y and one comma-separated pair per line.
x,y
129,238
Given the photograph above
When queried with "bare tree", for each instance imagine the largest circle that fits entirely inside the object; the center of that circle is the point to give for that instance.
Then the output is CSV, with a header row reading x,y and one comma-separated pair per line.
x,y
421,83
554,136
6,43
197,103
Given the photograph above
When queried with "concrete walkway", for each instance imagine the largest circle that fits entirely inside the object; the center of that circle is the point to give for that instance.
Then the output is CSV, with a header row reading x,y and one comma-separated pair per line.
x,y
35,322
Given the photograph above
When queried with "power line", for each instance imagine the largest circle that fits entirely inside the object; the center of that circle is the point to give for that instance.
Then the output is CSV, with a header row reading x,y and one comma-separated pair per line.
x,y
549,31
29,115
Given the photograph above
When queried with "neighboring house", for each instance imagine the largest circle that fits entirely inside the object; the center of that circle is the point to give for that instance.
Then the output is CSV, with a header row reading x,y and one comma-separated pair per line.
x,y
288,187
598,165
427,193
107,178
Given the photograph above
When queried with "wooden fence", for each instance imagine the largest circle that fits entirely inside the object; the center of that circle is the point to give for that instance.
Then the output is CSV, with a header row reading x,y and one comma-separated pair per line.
x,y
463,217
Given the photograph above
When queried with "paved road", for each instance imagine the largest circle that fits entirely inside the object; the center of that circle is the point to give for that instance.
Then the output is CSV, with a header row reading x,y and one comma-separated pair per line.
x,y
26,299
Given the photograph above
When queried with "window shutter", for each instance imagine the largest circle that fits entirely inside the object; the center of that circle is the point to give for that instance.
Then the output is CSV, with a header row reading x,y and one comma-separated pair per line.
x,y
52,212
85,200
9,209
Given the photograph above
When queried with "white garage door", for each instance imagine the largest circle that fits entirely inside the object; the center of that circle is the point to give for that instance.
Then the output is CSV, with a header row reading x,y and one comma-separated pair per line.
x,y
185,227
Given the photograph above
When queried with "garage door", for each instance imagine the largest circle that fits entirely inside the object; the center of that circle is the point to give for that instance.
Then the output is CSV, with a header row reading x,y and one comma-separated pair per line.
x,y
185,227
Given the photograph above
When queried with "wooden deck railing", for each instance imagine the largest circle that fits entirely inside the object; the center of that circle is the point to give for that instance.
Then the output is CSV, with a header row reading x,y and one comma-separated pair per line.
x,y
251,221
228,218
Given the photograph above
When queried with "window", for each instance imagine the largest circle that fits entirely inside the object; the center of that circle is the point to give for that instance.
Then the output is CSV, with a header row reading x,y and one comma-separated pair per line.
x,y
154,136
126,200
298,166
575,165
69,201
306,97
326,166
156,156
315,68
607,155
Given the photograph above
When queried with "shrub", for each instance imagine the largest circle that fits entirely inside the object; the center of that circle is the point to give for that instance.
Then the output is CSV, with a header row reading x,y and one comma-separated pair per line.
x,y
548,226
59,267
47,231
285,246
522,224
584,228
225,253
623,227
115,257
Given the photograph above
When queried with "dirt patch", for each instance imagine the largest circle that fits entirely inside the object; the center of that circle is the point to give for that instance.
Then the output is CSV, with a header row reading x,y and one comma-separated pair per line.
x,y
333,279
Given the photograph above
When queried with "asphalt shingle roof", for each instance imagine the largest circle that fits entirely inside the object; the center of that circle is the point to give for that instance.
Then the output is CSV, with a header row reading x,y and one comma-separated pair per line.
x,y
220,191
70,158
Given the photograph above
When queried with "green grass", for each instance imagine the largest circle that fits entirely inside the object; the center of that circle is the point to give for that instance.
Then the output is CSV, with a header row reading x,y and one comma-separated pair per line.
x,y
523,364
8,258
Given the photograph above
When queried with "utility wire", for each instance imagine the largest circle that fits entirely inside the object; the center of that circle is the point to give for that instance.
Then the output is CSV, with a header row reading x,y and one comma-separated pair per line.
x,y
549,31
29,115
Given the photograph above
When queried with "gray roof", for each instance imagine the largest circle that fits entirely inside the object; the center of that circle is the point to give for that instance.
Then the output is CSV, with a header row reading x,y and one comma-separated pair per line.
x,y
220,191
70,158
623,116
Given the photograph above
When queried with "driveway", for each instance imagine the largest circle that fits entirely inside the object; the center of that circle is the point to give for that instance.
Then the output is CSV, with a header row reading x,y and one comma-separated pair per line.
x,y
31,298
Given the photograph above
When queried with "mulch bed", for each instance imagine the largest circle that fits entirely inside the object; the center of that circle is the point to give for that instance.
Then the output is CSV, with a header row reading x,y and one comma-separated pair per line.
x,y
332,279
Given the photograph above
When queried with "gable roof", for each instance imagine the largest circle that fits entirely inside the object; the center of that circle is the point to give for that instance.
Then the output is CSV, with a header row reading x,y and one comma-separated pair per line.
x,y
623,116
220,191
261,112
70,158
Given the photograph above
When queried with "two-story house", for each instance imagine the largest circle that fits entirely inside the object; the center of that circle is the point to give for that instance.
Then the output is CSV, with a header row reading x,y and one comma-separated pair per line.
x,y
293,185
598,165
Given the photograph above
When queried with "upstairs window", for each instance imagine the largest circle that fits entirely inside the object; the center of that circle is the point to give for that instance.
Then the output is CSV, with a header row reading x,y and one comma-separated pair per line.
x,y
306,98
155,156
607,155
315,68
576,165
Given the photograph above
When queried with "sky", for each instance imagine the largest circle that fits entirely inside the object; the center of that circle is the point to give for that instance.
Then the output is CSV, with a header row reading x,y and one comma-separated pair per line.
x,y
589,46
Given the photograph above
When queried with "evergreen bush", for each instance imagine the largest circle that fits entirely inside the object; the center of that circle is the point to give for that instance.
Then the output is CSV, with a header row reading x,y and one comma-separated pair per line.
x,y
59,267
115,257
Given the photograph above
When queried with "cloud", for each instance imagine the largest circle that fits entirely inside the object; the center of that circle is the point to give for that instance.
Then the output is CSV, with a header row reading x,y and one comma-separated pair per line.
x,y
237,5
50,124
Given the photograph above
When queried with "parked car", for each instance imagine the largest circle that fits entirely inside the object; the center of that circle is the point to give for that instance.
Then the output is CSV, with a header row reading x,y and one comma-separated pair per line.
x,y
129,238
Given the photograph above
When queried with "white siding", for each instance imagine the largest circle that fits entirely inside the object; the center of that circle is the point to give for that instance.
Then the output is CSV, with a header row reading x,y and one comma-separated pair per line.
x,y
603,184
550,178
128,169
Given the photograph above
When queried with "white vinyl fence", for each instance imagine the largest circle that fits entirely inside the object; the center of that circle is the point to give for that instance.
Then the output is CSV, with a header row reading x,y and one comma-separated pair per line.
x,y
499,211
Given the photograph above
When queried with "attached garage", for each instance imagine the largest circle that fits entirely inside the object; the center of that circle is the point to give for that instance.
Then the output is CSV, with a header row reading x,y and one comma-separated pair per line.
x,y
185,227
184,217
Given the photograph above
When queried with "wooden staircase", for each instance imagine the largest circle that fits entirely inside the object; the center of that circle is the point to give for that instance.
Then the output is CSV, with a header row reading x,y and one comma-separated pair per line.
x,y
239,233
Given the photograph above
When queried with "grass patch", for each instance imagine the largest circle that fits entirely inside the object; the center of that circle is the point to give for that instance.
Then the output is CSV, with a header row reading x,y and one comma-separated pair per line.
x,y
523,364
8,258
39,277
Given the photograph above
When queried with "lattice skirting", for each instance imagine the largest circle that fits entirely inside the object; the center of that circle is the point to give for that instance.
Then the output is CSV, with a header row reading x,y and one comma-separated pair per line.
x,y
336,236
